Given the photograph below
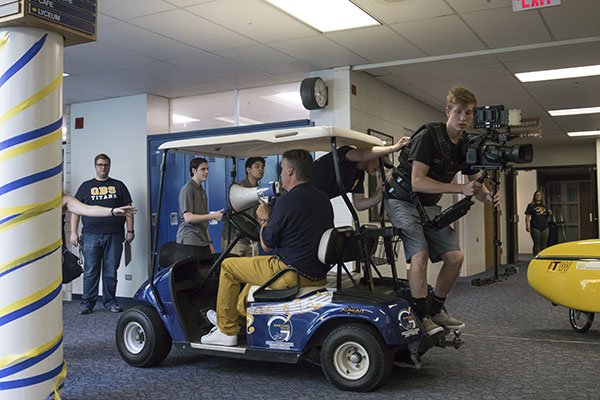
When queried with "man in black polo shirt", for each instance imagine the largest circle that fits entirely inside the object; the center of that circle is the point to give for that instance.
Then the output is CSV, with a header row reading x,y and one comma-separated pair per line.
x,y
353,164
293,228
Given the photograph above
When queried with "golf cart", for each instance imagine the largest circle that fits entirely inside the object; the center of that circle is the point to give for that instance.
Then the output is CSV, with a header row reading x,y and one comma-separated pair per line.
x,y
355,329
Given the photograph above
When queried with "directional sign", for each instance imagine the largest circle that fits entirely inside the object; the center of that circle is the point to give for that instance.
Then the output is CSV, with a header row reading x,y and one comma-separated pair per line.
x,y
522,5
75,14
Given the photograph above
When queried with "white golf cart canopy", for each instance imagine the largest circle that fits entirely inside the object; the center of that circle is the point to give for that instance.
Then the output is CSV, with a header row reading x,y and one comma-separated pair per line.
x,y
275,142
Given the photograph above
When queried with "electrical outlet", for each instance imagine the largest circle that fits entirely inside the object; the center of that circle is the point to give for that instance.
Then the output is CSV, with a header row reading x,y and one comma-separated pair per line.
x,y
128,277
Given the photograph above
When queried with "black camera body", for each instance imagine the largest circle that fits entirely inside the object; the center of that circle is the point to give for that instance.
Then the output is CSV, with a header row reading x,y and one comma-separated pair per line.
x,y
488,150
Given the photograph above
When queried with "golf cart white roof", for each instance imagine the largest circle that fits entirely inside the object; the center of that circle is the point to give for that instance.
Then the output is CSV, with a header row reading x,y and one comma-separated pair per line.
x,y
269,143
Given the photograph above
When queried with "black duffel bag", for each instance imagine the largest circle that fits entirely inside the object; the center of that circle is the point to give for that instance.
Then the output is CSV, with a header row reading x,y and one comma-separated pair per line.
x,y
71,269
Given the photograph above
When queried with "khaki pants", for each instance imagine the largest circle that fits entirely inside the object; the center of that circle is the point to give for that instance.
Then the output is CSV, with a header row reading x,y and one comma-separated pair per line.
x,y
241,249
231,304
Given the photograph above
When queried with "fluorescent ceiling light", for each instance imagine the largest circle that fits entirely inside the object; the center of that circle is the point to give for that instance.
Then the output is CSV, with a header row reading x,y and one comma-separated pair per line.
x,y
584,133
326,15
562,73
243,120
182,119
574,111
288,99
65,74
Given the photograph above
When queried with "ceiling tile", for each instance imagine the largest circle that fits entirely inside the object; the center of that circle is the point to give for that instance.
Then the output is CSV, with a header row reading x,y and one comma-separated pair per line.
x,y
106,54
193,30
81,65
254,19
451,35
141,41
173,74
376,44
466,6
573,19
216,66
402,11
504,28
132,8
267,60
319,51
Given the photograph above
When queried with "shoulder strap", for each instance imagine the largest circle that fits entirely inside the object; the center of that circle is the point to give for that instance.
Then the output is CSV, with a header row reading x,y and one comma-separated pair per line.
x,y
441,138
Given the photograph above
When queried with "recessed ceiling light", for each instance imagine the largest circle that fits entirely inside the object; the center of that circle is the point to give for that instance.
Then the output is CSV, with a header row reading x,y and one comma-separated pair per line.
x,y
562,73
327,16
65,74
584,133
182,119
574,111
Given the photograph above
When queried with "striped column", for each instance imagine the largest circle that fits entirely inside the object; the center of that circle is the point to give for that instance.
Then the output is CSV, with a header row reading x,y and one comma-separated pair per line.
x,y
31,353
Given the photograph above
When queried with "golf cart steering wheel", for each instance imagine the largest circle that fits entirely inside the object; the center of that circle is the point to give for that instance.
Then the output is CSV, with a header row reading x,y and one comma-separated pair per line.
x,y
247,225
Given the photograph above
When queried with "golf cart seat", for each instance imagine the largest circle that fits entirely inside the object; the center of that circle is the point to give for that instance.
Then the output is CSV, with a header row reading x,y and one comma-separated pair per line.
x,y
172,252
336,245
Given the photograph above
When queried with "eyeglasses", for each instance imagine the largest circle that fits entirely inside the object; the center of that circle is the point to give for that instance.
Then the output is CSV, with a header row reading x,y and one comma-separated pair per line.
x,y
103,165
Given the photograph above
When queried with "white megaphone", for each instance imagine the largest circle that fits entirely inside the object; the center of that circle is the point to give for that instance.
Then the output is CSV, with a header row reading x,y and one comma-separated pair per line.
x,y
242,198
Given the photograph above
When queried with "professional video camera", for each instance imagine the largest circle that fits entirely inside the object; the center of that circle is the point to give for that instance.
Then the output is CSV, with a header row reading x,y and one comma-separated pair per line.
x,y
488,150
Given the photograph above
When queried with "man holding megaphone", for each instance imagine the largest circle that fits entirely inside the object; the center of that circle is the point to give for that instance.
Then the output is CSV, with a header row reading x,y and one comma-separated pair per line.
x,y
255,170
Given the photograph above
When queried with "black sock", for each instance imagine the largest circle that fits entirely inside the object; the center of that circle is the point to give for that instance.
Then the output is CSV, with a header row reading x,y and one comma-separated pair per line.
x,y
420,307
436,305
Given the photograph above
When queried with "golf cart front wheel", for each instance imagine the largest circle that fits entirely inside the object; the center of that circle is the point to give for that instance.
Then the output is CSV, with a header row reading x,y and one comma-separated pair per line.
x,y
354,357
581,321
142,339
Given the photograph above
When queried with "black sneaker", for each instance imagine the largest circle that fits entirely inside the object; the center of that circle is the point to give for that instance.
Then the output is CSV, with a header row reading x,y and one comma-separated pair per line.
x,y
116,309
85,310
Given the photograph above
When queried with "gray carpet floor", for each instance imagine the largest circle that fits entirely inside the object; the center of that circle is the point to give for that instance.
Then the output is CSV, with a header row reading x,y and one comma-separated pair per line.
x,y
517,346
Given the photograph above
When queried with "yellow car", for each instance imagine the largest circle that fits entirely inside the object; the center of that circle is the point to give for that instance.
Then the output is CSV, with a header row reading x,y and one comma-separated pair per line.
x,y
568,274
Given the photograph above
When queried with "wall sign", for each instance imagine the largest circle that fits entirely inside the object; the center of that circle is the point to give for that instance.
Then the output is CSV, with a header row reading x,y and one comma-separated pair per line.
x,y
523,5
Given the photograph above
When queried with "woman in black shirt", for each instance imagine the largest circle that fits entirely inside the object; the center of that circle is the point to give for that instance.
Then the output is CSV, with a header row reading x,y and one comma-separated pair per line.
x,y
537,222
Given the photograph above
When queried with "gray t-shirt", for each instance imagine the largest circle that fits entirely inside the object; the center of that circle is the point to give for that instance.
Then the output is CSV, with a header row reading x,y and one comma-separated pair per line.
x,y
192,198
251,212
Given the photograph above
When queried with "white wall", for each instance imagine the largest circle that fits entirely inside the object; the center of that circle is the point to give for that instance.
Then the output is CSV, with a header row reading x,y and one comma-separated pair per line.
x,y
118,128
570,154
526,182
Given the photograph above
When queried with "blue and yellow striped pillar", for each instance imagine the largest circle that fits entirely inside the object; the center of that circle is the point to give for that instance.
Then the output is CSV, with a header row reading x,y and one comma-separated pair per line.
x,y
31,324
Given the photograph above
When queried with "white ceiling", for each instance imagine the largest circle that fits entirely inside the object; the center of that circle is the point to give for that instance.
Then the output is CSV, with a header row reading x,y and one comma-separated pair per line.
x,y
176,48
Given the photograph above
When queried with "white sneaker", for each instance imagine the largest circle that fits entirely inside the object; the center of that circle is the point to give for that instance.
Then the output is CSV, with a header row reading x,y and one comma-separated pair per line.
x,y
211,315
215,336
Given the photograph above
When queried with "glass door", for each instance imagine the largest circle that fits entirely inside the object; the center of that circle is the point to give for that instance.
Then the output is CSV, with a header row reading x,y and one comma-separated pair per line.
x,y
563,200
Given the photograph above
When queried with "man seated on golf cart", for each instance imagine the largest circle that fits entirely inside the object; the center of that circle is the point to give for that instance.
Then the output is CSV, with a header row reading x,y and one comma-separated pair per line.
x,y
293,228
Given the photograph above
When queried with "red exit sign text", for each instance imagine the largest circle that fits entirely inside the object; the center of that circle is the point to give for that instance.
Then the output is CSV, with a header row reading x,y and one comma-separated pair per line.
x,y
521,5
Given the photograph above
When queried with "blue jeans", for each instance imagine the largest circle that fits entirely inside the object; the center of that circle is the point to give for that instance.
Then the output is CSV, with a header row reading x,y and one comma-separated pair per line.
x,y
101,252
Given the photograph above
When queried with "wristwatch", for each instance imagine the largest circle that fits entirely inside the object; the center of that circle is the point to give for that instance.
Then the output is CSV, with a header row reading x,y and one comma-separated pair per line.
x,y
262,221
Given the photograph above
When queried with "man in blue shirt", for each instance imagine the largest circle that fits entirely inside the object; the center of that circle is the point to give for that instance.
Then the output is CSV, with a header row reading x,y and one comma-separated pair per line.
x,y
293,229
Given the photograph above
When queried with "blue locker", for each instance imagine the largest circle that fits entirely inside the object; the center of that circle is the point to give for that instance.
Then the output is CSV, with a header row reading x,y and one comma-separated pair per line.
x,y
219,179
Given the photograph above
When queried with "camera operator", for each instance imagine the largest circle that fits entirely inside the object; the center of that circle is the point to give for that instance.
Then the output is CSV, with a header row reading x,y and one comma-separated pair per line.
x,y
430,163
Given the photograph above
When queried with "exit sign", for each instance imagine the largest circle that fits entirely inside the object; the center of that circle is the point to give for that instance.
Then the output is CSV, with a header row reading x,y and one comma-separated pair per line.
x,y
522,5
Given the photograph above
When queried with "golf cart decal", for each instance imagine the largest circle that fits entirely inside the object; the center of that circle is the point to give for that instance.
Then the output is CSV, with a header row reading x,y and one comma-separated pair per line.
x,y
351,310
280,328
407,321
249,322
561,266
307,304
588,265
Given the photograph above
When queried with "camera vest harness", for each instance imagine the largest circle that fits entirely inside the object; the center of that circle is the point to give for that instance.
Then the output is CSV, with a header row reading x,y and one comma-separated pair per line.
x,y
400,180
398,186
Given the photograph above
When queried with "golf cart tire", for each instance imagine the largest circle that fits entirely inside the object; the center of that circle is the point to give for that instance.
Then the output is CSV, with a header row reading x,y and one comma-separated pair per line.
x,y
354,357
142,339
580,321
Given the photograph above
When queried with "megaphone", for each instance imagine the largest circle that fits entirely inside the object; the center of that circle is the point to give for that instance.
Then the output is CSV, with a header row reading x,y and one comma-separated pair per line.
x,y
242,198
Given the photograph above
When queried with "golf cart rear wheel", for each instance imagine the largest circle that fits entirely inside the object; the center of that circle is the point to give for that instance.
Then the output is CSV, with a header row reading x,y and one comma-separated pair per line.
x,y
354,357
142,339
581,321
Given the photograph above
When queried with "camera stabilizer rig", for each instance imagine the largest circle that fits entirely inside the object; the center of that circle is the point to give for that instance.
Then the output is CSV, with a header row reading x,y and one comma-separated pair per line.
x,y
488,151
